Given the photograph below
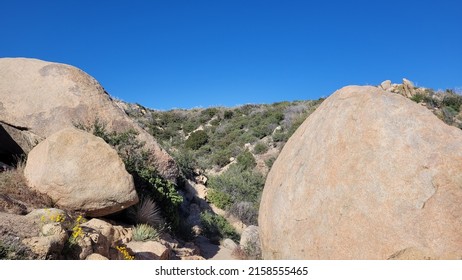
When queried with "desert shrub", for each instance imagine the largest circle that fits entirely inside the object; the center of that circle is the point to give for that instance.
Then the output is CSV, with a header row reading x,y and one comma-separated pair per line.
x,y
246,160
172,118
260,148
186,162
215,225
145,212
228,114
207,114
244,211
144,232
215,122
247,137
262,130
453,101
189,126
280,136
4,251
196,140
432,102
296,124
448,113
164,192
11,248
418,97
15,194
236,185
253,250
219,198
239,254
269,162
221,158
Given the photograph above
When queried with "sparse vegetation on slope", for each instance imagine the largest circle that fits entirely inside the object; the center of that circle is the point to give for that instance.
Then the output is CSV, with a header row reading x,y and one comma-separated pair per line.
x,y
247,138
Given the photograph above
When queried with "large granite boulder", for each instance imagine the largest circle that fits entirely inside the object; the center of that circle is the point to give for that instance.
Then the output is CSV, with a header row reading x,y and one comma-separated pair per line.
x,y
369,175
39,98
80,172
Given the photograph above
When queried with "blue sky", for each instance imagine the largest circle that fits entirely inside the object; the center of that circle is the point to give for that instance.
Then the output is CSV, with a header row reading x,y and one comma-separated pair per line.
x,y
184,54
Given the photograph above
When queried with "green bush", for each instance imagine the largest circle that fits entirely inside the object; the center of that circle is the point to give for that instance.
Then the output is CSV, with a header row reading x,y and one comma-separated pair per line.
x,y
221,157
296,124
196,140
228,114
448,114
269,162
11,248
217,225
245,211
260,148
207,114
218,198
246,160
189,126
453,101
418,98
186,161
279,136
164,192
236,185
144,232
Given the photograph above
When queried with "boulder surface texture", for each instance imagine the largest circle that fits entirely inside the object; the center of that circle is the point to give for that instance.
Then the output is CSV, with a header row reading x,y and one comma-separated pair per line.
x,y
369,175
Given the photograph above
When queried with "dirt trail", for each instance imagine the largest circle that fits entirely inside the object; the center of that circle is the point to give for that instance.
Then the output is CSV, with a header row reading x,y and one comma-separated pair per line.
x,y
212,251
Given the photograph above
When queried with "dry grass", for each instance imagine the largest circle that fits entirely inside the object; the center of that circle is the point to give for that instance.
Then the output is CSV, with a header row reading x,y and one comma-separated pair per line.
x,y
240,254
15,196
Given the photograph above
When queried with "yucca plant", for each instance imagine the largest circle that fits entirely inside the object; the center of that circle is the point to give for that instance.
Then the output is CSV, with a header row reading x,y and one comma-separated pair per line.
x,y
144,232
146,212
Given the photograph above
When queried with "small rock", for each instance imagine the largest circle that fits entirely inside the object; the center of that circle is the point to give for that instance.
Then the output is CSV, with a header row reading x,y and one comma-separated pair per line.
x,y
386,85
201,179
48,215
149,250
96,257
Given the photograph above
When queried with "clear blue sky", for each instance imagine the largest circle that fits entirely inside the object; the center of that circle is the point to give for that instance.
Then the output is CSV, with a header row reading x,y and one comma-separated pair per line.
x,y
169,53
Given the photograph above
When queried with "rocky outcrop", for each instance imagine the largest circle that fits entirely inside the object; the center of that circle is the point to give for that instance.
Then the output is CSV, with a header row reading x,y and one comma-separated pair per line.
x,y
39,98
369,175
80,172
50,243
406,88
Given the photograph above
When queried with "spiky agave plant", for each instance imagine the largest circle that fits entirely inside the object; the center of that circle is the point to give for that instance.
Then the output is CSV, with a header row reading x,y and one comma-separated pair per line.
x,y
144,232
146,212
